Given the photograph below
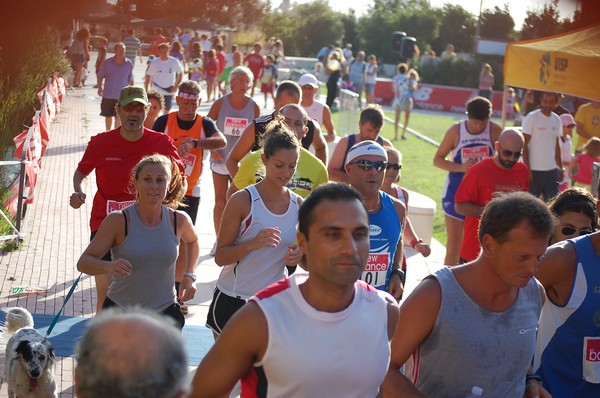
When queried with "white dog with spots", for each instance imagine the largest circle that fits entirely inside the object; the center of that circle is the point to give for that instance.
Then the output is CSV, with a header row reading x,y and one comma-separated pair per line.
x,y
29,359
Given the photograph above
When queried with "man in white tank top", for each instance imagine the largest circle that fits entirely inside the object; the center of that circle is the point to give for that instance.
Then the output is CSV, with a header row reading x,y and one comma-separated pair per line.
x,y
316,334
316,109
475,325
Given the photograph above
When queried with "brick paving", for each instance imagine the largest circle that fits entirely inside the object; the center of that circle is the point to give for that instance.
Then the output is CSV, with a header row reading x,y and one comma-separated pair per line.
x,y
56,234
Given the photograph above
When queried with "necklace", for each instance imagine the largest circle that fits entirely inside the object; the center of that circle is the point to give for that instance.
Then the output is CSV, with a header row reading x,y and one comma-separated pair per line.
x,y
376,205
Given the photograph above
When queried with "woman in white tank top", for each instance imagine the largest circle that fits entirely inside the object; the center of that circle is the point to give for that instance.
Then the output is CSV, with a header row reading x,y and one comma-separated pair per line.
x,y
258,228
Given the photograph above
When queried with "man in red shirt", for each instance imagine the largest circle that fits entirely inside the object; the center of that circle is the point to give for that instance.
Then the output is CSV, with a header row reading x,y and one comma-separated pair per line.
x,y
255,62
501,173
113,154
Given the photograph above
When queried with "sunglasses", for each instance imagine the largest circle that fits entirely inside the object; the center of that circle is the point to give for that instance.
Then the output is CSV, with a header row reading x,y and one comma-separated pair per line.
x,y
510,154
568,231
133,107
394,166
367,165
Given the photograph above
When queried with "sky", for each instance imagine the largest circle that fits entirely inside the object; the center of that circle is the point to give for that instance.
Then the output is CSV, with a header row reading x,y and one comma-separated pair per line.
x,y
517,8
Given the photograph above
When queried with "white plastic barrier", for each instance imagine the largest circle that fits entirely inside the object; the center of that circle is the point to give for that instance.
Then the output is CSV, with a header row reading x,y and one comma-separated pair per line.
x,y
421,209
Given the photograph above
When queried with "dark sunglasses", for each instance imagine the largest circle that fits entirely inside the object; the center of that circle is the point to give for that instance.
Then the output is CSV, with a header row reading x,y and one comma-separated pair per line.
x,y
510,154
568,231
133,107
367,165
394,166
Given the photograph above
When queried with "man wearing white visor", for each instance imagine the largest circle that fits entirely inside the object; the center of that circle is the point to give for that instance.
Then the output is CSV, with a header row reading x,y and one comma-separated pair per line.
x,y
366,163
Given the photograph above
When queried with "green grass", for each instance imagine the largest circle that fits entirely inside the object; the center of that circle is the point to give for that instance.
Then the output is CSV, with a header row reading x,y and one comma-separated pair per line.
x,y
418,172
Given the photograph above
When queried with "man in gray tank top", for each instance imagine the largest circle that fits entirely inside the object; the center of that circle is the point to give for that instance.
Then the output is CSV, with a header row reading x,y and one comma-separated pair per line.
x,y
475,325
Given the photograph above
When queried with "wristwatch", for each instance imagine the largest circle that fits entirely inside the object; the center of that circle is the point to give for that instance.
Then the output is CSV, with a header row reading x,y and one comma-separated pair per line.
x,y
190,275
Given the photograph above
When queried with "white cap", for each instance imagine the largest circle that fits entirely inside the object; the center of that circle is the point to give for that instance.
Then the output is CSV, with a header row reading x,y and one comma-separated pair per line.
x,y
365,148
308,79
567,119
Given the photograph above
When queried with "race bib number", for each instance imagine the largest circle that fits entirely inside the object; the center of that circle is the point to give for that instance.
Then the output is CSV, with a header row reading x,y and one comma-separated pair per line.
x,y
591,359
234,126
189,161
113,205
376,270
476,154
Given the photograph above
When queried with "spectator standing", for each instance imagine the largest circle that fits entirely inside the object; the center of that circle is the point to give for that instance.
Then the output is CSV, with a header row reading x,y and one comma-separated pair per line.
x,y
371,78
128,143
503,172
486,82
114,74
164,75
403,88
453,316
467,142
316,110
356,70
193,135
256,63
583,164
185,38
195,69
347,52
308,322
233,113
143,239
365,165
566,149
131,353
587,119
333,68
132,46
543,129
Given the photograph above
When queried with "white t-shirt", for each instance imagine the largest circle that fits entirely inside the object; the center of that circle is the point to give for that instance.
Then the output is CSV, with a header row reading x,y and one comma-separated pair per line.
x,y
164,74
544,131
371,79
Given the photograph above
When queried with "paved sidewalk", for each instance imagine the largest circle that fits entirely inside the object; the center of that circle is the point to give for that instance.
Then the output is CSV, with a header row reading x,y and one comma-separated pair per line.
x,y
57,234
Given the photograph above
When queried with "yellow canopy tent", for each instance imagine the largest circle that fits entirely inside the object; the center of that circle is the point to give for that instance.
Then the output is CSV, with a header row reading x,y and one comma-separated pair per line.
x,y
568,63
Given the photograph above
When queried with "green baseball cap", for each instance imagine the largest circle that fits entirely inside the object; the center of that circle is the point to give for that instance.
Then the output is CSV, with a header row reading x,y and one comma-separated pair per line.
x,y
131,94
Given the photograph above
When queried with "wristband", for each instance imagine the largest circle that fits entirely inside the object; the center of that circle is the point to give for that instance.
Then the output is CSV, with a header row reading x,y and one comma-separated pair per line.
x,y
533,377
414,242
400,274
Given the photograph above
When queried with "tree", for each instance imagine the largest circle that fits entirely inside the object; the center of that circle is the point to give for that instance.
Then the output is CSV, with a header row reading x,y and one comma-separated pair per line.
x,y
305,28
457,27
238,13
414,17
350,30
542,24
497,24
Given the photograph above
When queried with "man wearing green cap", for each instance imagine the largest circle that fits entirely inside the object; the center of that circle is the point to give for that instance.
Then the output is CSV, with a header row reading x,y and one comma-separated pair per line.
x,y
113,154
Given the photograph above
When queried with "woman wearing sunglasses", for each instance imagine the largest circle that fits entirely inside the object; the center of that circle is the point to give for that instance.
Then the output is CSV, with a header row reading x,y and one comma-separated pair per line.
x,y
566,357
390,181
576,215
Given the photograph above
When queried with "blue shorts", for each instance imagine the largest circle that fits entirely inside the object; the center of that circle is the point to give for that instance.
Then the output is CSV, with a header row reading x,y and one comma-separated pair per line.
x,y
448,201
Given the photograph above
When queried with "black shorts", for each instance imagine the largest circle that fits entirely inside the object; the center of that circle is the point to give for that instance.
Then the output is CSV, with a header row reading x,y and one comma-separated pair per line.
x,y
107,256
172,311
222,308
107,107
191,207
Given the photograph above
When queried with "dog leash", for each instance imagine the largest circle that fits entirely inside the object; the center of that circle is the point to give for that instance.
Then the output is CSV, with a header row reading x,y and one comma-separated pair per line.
x,y
55,320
